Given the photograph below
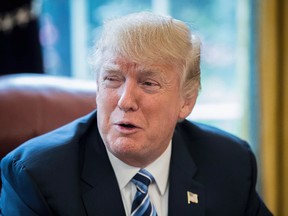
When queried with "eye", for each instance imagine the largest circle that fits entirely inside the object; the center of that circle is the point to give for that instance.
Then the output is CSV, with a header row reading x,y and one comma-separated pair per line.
x,y
150,85
111,78
112,81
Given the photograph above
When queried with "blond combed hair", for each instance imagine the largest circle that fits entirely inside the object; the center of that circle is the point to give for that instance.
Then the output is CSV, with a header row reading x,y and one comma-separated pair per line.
x,y
148,38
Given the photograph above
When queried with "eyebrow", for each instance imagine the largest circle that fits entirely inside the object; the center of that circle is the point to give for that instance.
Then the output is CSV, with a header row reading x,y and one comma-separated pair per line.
x,y
147,72
141,70
153,73
152,70
111,67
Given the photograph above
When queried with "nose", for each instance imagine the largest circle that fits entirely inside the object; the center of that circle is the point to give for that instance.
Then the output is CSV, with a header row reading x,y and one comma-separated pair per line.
x,y
128,100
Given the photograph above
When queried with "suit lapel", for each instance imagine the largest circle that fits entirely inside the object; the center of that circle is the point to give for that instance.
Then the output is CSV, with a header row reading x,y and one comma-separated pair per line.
x,y
101,194
182,179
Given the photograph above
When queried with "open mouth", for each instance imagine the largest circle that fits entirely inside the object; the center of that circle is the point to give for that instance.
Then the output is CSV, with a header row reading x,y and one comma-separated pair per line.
x,y
127,125
127,128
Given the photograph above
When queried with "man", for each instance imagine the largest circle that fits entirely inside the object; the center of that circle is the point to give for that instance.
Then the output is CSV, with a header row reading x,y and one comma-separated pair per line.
x,y
136,155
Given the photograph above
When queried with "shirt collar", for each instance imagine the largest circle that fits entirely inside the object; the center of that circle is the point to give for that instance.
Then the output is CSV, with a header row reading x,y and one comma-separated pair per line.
x,y
159,169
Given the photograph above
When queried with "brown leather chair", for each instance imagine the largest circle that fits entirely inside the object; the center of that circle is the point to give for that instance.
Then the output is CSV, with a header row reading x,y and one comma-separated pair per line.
x,y
32,104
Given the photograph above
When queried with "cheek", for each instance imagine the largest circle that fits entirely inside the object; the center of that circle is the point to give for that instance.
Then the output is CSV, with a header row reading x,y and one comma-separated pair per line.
x,y
104,109
168,108
162,117
106,100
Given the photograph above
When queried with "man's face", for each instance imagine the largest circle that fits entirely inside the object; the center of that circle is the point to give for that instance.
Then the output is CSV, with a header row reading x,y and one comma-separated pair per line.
x,y
137,109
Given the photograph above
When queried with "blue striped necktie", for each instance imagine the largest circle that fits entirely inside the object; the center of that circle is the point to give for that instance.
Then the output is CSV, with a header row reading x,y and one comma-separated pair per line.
x,y
142,205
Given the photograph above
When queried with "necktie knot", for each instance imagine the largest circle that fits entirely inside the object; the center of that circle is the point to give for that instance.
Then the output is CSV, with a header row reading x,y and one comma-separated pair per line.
x,y
142,180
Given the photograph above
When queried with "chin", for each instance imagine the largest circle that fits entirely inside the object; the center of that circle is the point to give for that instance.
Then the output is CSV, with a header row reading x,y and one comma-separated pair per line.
x,y
122,145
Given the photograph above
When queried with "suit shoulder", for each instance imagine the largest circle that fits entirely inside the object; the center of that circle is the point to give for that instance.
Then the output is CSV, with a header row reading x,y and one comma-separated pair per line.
x,y
52,143
212,147
210,137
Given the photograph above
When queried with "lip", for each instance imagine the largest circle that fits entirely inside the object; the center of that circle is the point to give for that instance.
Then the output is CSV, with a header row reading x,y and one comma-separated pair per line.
x,y
127,127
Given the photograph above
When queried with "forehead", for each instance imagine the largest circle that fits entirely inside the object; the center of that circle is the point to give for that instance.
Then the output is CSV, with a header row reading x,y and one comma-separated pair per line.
x,y
123,64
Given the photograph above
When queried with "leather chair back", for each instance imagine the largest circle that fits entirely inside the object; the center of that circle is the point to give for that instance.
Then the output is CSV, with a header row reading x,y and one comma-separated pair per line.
x,y
32,104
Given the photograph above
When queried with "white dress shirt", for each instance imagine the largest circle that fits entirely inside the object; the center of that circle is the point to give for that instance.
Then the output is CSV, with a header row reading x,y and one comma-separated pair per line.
x,y
158,192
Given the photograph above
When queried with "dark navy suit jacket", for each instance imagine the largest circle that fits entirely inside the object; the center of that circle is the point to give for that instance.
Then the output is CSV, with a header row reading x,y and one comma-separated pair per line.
x,y
67,172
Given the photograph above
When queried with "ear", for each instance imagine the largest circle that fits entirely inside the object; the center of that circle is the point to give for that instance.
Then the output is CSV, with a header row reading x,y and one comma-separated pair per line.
x,y
187,106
